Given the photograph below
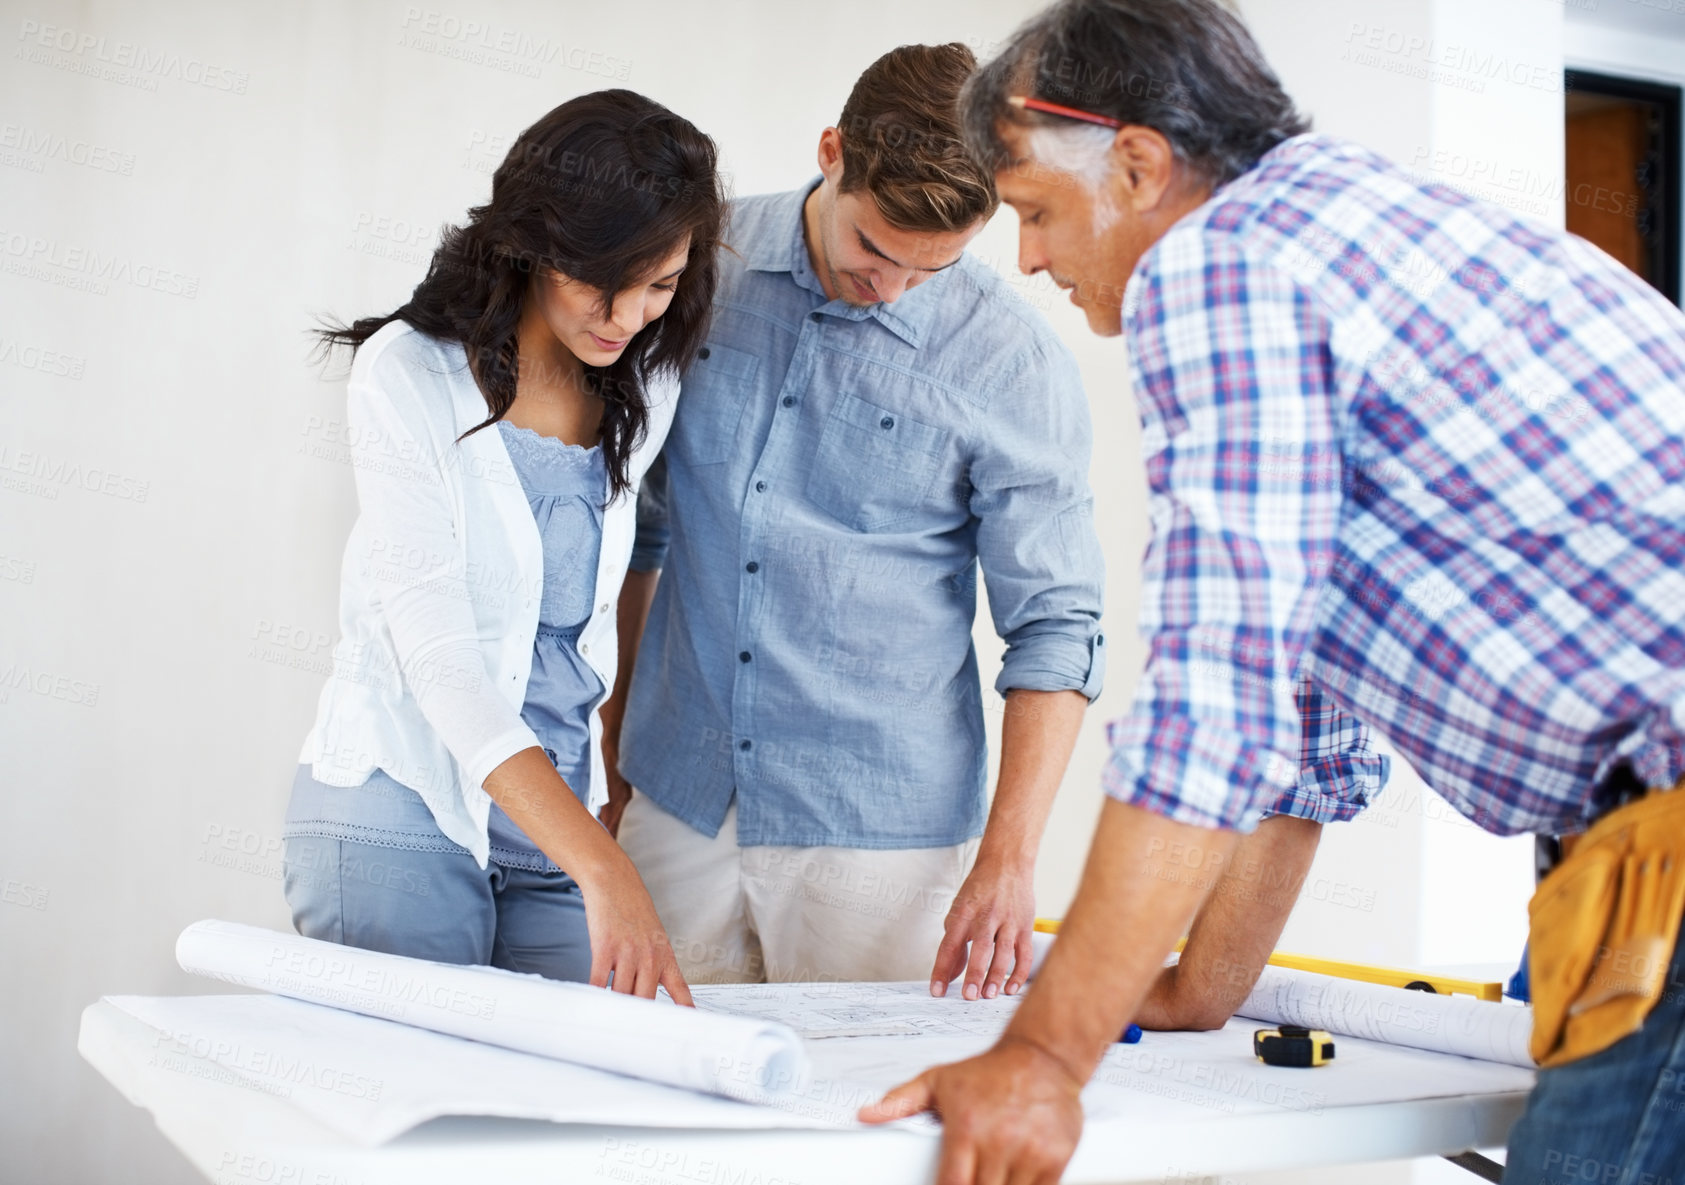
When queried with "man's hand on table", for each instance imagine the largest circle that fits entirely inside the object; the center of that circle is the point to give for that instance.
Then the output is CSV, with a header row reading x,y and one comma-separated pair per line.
x,y
1021,1107
995,912
1014,1114
1236,930
995,909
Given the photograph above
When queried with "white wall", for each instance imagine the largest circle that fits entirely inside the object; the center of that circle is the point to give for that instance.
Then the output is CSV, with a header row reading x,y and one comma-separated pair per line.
x,y
173,496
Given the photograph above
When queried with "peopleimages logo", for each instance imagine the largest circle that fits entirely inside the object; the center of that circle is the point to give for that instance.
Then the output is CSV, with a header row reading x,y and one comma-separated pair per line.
x,y
49,472
30,357
34,146
504,49
1450,63
78,266
15,676
120,61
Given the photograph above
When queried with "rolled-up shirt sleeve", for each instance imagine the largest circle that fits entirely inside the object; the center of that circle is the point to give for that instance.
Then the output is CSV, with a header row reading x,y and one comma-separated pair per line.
x,y
1036,544
649,546
1241,430
1339,770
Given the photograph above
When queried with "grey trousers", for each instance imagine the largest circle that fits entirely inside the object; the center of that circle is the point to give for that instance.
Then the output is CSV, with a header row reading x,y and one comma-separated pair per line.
x,y
437,905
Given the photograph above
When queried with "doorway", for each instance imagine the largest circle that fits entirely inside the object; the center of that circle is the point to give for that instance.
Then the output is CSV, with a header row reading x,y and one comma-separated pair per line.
x,y
1623,172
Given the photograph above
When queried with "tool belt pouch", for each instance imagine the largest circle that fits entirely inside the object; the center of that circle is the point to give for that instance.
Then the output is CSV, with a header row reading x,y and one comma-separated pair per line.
x,y
1603,926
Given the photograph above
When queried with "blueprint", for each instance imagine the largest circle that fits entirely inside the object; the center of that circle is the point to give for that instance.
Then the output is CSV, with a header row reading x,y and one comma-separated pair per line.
x,y
370,1046
653,1039
1467,1027
821,1011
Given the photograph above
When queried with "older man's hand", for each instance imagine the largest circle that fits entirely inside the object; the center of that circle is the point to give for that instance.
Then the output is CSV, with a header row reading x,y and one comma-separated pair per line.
x,y
1011,1116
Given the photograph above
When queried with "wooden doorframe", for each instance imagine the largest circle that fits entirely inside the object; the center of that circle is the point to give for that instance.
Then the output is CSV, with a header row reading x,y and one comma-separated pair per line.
x,y
1669,209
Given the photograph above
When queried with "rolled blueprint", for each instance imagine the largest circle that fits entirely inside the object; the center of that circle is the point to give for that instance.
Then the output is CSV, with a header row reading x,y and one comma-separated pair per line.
x,y
656,1040
1422,1020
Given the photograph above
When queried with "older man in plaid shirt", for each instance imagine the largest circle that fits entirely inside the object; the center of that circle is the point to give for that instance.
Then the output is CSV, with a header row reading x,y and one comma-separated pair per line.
x,y
1406,452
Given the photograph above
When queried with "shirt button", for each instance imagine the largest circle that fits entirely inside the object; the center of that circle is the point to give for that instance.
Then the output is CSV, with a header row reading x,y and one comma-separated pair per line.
x,y
585,648
745,745
760,487
813,316
751,567
603,608
702,353
887,422
789,401
743,656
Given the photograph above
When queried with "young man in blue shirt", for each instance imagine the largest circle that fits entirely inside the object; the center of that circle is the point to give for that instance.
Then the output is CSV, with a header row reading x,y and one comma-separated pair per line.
x,y
874,418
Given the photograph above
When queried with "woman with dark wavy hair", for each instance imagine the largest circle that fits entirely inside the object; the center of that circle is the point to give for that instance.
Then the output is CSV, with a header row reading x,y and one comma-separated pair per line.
x,y
500,422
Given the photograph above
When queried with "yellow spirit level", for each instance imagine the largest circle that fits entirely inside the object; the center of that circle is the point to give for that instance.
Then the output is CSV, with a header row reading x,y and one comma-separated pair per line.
x,y
1445,985
1293,1045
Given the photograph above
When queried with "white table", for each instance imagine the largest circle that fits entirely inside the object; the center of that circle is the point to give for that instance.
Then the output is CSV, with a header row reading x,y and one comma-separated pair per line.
x,y
238,1136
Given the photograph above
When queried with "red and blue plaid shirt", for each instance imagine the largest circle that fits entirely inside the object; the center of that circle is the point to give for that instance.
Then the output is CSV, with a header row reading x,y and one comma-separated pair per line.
x,y
1416,462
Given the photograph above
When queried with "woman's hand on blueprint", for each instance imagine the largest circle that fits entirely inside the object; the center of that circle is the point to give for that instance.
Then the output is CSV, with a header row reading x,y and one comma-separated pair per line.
x,y
630,951
628,942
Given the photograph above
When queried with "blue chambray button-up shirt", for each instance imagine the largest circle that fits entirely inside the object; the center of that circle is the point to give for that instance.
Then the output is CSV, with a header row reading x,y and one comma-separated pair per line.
x,y
834,479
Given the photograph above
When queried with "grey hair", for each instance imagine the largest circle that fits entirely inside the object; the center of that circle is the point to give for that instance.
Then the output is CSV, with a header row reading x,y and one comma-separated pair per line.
x,y
1185,68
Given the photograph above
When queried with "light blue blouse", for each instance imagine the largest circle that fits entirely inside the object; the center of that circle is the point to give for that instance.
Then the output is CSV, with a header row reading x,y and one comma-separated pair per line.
x,y
566,486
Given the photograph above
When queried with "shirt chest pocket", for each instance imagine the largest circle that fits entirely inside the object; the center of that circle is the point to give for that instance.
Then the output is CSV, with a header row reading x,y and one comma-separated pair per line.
x,y
711,400
874,467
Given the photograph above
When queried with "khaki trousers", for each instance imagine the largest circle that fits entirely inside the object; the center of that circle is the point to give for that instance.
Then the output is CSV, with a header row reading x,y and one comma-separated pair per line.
x,y
772,914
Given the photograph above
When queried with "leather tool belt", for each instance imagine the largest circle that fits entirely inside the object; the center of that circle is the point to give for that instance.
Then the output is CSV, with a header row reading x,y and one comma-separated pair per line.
x,y
1603,926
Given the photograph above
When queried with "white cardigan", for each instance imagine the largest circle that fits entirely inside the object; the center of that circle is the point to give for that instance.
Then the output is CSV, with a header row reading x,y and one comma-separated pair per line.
x,y
439,595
